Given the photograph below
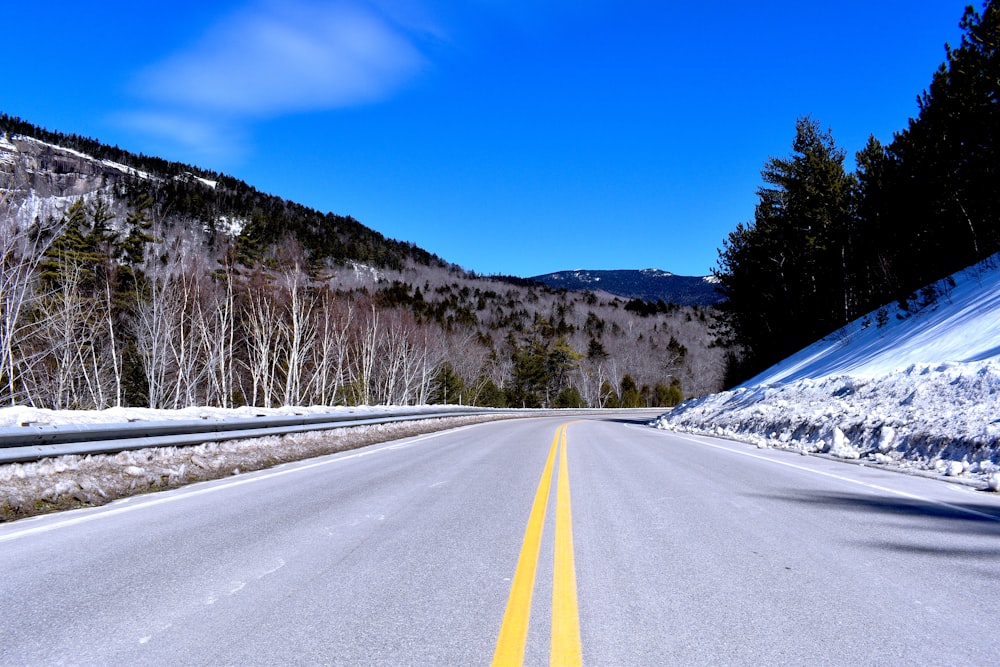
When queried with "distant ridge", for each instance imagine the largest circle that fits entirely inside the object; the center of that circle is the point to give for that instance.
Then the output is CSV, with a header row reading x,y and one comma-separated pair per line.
x,y
646,284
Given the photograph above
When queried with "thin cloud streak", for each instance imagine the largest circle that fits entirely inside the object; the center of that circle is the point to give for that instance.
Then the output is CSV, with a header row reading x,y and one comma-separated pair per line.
x,y
285,58
195,136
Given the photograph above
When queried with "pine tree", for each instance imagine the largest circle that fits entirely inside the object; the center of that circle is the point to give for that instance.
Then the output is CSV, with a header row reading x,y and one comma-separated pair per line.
x,y
569,397
137,236
876,242
448,386
787,275
945,166
668,396
629,393
76,248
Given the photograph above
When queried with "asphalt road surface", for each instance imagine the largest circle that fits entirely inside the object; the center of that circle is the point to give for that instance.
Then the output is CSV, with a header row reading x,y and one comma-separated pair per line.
x,y
455,548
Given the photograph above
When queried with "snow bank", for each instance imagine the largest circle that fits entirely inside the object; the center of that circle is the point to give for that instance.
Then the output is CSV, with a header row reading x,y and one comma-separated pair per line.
x,y
912,387
944,418
72,481
23,416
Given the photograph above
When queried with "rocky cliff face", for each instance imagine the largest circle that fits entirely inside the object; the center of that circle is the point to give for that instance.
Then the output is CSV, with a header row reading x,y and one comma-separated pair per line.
x,y
39,180
55,171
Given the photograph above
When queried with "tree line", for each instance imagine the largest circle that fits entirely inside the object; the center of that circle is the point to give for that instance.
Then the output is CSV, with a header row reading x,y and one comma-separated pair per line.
x,y
827,246
103,309
90,322
176,286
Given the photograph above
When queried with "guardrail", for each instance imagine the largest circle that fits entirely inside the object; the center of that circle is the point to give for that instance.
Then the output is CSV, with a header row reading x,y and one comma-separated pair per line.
x,y
35,442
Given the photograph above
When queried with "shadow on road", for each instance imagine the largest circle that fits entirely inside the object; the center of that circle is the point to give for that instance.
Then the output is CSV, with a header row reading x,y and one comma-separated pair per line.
x,y
638,421
966,517
974,517
968,531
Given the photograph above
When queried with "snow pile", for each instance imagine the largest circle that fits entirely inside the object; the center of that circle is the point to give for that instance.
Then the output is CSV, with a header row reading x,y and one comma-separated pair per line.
x,y
910,387
944,418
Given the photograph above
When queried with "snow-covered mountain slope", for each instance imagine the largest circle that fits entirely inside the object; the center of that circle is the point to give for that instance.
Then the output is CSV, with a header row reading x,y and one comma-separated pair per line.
x,y
915,387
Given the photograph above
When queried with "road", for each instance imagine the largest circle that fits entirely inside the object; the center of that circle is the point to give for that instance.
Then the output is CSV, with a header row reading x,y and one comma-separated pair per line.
x,y
453,549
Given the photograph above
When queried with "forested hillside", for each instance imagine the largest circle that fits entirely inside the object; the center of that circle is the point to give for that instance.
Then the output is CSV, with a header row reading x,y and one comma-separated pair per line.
x,y
827,246
129,280
645,285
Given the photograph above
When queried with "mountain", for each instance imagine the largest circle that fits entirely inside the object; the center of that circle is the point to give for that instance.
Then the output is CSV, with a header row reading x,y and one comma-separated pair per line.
x,y
645,284
132,281
43,172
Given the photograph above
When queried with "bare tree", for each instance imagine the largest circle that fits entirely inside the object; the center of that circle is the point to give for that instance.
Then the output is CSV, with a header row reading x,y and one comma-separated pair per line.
x,y
297,332
217,326
154,328
64,352
21,251
365,353
333,324
261,318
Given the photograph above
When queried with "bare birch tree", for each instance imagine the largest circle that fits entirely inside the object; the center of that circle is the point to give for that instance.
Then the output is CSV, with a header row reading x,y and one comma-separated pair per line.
x,y
216,323
153,328
261,318
21,251
297,332
364,356
333,324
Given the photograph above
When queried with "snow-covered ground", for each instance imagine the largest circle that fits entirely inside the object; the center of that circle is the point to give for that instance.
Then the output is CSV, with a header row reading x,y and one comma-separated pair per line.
x,y
917,389
64,482
24,416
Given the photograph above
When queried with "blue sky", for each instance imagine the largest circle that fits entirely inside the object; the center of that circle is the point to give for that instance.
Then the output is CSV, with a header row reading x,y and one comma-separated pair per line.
x,y
507,136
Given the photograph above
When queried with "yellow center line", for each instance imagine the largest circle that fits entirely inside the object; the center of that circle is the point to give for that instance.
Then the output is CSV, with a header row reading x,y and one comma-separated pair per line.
x,y
565,647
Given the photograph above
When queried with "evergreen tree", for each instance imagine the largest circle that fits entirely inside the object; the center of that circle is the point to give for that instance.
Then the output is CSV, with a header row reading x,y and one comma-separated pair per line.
x,y
569,397
630,397
945,168
76,248
876,241
596,351
529,374
490,395
137,236
786,275
448,386
668,396
560,361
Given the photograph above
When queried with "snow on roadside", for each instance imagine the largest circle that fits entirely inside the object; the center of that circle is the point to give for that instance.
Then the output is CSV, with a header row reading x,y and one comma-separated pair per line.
x,y
943,418
915,388
72,481
23,416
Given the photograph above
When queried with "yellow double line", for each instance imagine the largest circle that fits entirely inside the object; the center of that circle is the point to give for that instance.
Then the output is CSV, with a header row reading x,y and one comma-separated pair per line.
x,y
565,642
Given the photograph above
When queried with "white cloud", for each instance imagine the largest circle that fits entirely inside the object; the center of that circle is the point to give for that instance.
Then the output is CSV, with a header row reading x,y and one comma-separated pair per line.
x,y
195,136
286,57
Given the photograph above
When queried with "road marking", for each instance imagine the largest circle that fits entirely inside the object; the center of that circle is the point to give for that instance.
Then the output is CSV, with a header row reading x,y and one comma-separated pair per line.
x,y
565,648
565,639
514,629
876,487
